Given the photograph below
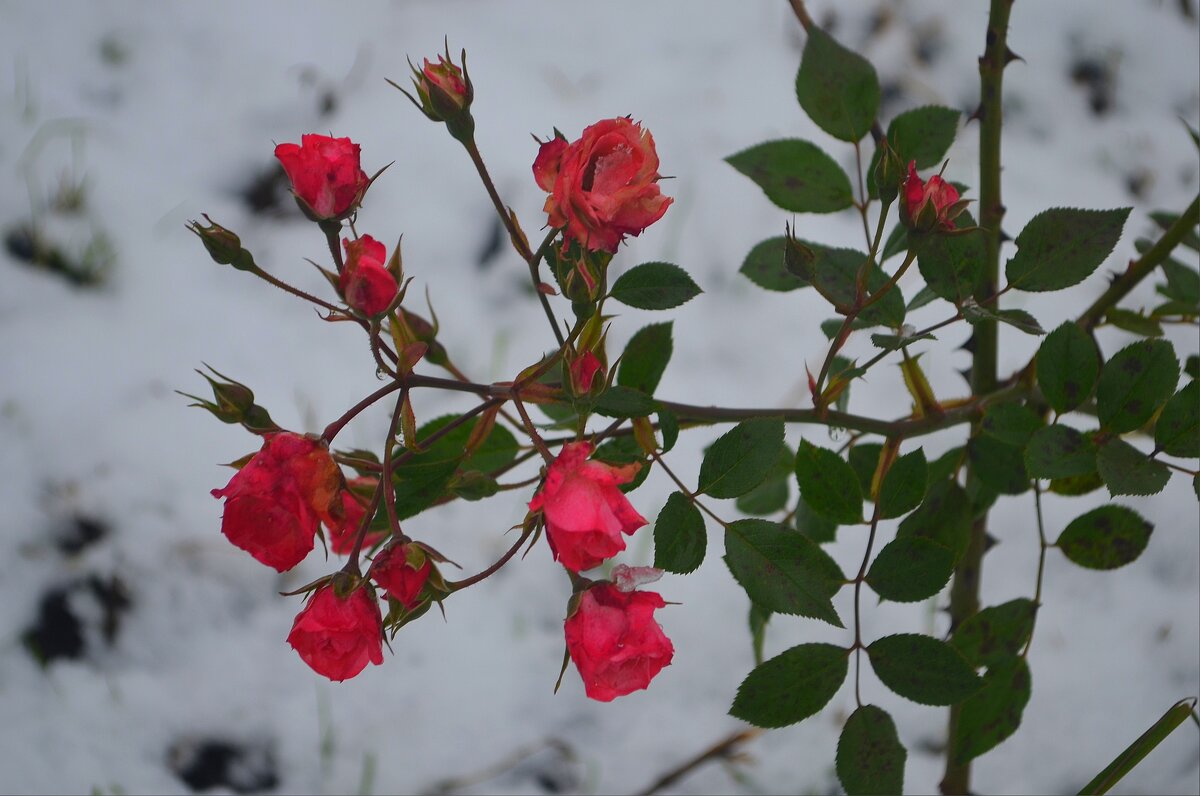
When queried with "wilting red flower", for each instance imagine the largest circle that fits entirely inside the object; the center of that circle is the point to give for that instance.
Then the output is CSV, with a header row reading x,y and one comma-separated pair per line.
x,y
928,204
603,186
274,504
342,532
325,174
366,283
338,636
615,642
401,570
585,512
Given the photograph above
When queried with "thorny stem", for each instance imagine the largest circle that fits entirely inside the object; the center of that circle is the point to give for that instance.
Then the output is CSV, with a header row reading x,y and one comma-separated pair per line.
x,y
389,495
534,436
722,750
295,291
1043,546
687,492
333,237
456,585
336,426
858,582
964,590
864,200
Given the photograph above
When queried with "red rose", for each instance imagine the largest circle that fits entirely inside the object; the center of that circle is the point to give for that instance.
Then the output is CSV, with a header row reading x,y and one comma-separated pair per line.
x,y
337,637
342,533
325,174
274,504
585,512
444,86
603,186
401,570
615,642
366,283
583,372
928,204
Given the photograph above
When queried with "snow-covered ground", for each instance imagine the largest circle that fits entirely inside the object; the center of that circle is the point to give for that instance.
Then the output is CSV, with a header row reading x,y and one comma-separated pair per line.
x,y
161,112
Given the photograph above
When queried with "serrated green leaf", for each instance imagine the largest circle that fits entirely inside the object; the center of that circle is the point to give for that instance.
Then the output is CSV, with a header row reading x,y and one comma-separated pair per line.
x,y
991,715
1167,220
783,571
903,487
680,538
834,273
1105,538
828,484
758,619
646,356
894,342
1076,485
619,401
668,424
897,241
923,669
944,517
945,466
1133,322
998,465
796,175
837,87
1010,422
870,758
1134,383
1061,247
910,568
995,633
791,686
1183,283
813,525
1067,366
1018,319
765,266
655,286
772,494
741,458
1128,471
1192,367
952,265
1177,431
1059,452
921,134
863,459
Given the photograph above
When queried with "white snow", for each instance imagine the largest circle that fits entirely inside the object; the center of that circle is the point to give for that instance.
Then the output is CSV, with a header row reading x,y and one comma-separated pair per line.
x,y
190,108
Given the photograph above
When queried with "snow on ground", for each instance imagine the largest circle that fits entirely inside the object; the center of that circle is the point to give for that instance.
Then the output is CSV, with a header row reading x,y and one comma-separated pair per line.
x,y
166,111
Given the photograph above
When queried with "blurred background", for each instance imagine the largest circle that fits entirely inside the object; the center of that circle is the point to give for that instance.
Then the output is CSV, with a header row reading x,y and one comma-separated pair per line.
x,y
162,666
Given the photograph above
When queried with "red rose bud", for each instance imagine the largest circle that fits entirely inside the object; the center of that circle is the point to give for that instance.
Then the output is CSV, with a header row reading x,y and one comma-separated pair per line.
x,y
401,571
603,186
583,372
343,532
223,246
585,512
338,636
927,205
275,503
617,646
444,94
325,173
366,283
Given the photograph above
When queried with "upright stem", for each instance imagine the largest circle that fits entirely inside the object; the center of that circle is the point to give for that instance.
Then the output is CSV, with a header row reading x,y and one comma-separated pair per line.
x,y
964,591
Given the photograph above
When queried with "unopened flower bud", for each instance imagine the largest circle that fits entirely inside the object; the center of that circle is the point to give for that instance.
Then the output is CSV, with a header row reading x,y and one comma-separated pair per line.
x,y
444,94
931,205
223,245
889,172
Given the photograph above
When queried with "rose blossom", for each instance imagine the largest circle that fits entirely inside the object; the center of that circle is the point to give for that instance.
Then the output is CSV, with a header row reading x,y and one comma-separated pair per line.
x,y
603,186
401,570
366,283
274,504
338,636
615,642
343,532
928,204
325,173
585,512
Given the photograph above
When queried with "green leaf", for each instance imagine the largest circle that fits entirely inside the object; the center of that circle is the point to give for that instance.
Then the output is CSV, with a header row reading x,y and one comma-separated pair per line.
x,y
783,571
796,175
897,241
1167,220
1010,422
654,286
998,465
1134,322
894,342
864,460
1076,485
1018,319
679,536
1128,471
741,458
944,517
870,757
1134,383
911,568
772,494
646,356
834,272
1144,745
903,487
837,87
1067,366
622,451
1105,538
994,713
758,619
996,633
1060,452
923,669
668,424
828,484
1183,283
1192,366
1177,432
1061,247
791,686
945,466
624,402
952,265
921,134
813,525
765,266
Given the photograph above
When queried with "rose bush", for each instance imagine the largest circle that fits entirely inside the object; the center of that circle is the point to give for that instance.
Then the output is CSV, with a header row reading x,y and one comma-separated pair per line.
x,y
614,641
338,636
